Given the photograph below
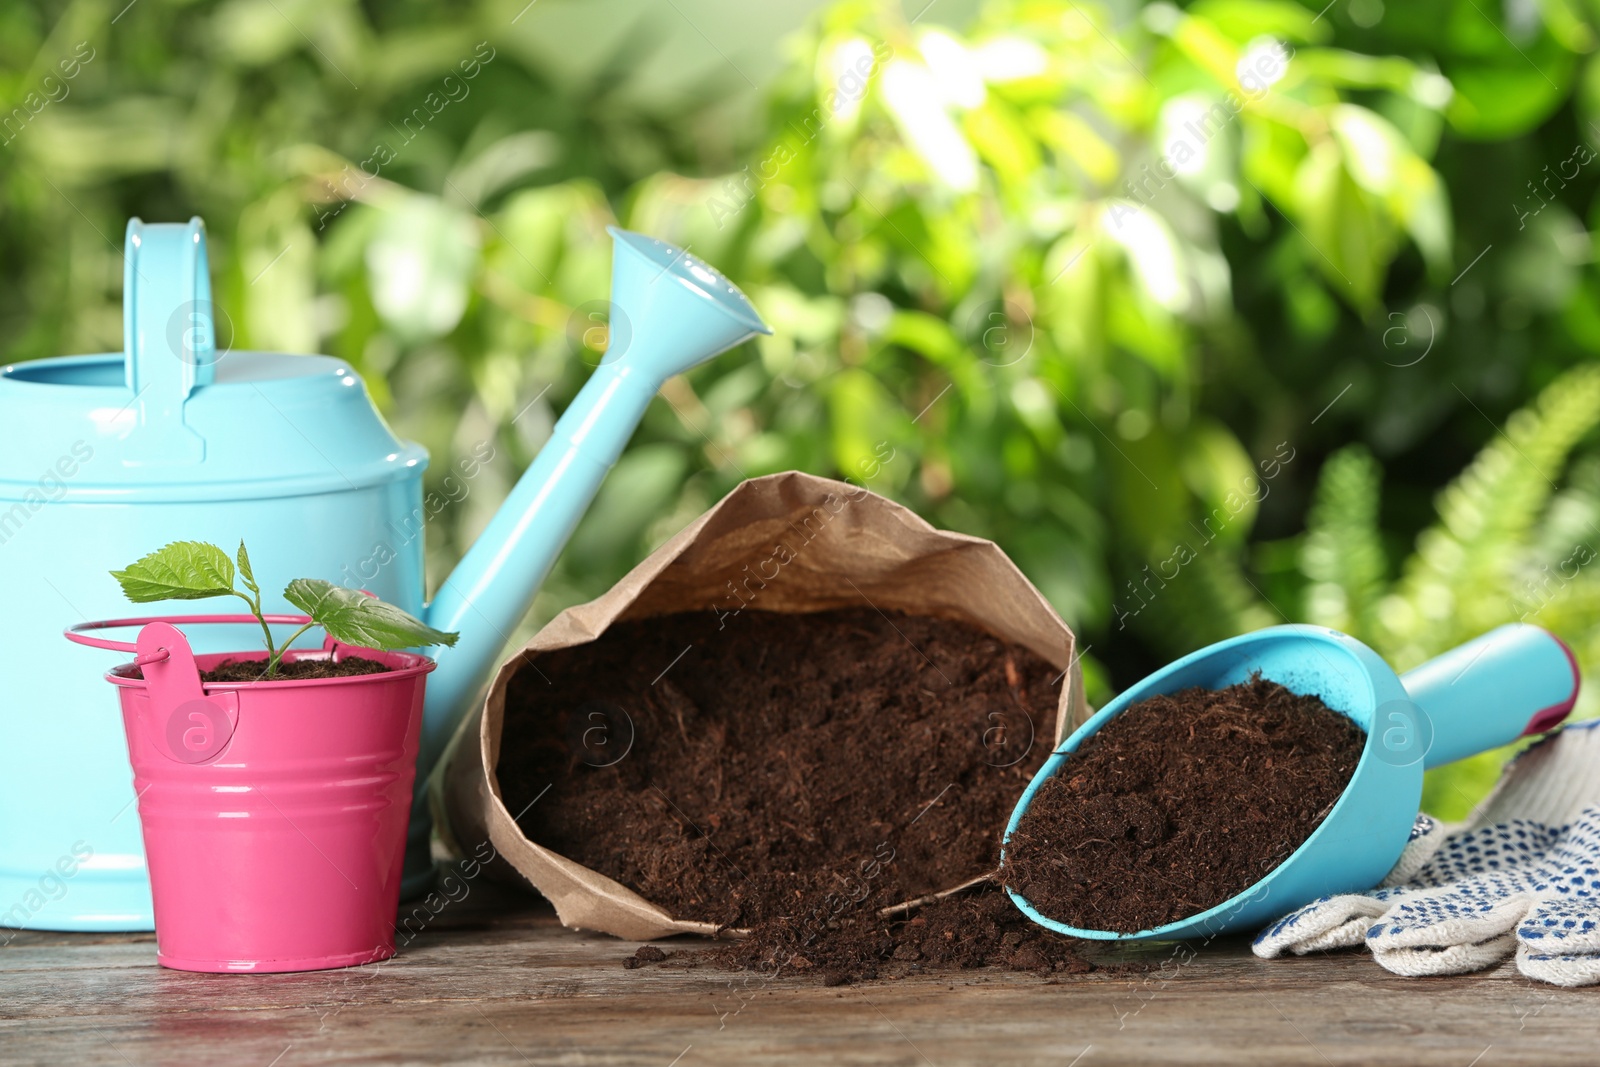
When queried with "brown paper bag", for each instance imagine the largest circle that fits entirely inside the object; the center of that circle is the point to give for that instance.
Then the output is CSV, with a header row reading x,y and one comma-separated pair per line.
x,y
870,548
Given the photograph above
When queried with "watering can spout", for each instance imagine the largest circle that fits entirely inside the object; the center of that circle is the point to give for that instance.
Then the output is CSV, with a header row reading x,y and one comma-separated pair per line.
x,y
670,311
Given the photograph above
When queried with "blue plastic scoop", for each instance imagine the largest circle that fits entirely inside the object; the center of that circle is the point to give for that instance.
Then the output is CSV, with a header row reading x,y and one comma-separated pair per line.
x,y
1513,681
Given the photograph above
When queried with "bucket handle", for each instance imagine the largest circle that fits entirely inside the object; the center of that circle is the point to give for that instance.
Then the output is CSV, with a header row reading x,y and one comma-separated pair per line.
x,y
78,634
182,720
179,719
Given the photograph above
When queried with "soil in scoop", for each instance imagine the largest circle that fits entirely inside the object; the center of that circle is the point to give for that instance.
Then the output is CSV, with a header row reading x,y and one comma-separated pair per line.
x,y
790,773
1180,803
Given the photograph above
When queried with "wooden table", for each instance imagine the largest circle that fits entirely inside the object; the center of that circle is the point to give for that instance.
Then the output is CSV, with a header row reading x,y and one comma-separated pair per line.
x,y
494,979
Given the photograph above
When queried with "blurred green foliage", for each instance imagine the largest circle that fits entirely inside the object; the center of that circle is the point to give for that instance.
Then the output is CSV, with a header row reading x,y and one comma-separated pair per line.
x,y
1114,282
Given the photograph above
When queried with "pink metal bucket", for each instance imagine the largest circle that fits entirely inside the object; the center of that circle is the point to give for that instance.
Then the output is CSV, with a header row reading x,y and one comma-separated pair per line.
x,y
274,813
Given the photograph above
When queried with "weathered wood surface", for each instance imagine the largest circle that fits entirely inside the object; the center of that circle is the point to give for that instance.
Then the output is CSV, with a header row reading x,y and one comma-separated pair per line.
x,y
495,980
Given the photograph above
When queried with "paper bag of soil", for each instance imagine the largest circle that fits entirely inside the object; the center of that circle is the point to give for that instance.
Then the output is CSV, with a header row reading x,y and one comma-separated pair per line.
x,y
787,543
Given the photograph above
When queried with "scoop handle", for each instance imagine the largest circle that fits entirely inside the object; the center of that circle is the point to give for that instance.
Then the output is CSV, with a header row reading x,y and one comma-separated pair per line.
x,y
1513,681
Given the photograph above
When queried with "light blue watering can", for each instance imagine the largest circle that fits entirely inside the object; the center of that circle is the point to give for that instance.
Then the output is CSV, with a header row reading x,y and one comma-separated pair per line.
x,y
1511,682
104,458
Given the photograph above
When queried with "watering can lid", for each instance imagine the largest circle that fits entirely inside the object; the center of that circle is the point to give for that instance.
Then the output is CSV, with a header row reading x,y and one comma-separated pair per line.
x,y
173,417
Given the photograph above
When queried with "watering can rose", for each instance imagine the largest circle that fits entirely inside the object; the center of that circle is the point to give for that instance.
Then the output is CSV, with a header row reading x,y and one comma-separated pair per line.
x,y
196,570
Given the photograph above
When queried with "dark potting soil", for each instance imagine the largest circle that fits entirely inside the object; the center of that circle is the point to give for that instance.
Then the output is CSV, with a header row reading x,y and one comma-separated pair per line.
x,y
646,954
976,928
250,670
1180,803
789,773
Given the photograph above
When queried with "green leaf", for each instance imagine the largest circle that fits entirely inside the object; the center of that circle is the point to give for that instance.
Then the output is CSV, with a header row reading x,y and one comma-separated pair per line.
x,y
1003,142
1342,553
640,488
1349,240
1224,480
354,618
867,422
1245,20
244,569
1455,584
1507,90
420,266
183,570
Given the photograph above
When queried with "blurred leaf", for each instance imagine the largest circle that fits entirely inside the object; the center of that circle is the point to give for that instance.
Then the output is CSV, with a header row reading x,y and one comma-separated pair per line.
x,y
866,419
643,482
1223,478
1002,143
1152,510
277,260
1072,138
1343,551
420,263
1503,86
71,144
1455,584
1344,236
504,163
1245,20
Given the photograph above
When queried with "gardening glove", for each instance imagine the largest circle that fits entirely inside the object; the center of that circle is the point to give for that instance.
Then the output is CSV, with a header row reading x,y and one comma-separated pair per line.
x,y
1521,875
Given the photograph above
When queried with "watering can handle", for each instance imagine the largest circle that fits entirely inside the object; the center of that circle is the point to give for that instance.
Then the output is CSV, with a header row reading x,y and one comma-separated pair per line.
x,y
168,333
1511,682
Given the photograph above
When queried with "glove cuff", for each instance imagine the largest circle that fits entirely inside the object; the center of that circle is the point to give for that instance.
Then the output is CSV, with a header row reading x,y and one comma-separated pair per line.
x,y
1551,782
1427,835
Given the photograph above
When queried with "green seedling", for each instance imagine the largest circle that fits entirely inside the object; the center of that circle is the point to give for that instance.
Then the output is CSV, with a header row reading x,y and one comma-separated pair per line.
x,y
196,570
